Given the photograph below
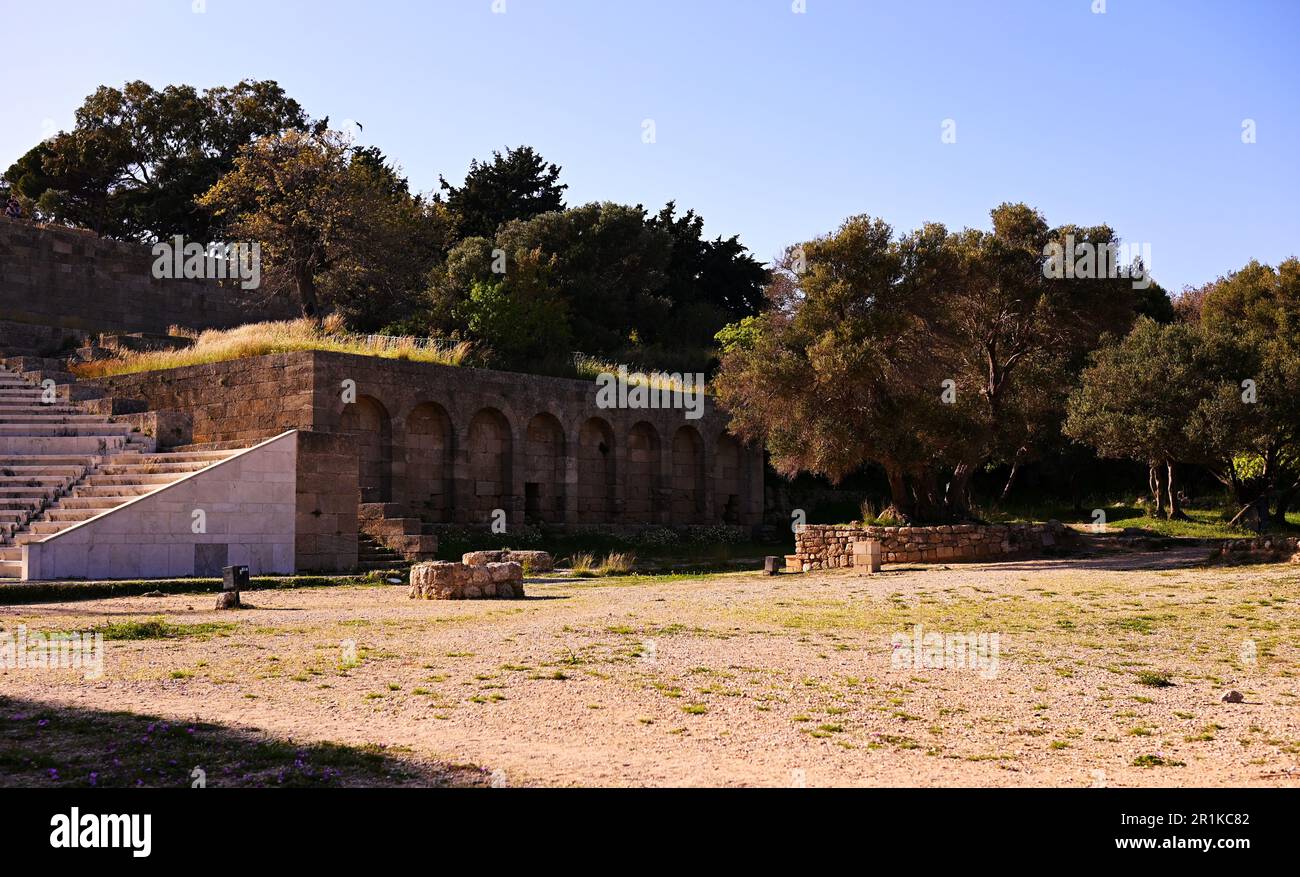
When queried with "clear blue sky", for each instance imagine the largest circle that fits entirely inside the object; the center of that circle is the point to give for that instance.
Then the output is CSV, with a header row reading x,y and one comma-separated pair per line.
x,y
774,125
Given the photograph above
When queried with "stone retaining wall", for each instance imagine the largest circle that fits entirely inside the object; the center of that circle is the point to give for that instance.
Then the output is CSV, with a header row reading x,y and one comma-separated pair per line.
x,y
1272,547
454,445
72,279
831,546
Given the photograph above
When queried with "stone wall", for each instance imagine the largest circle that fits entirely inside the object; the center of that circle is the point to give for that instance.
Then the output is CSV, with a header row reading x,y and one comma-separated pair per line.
x,y
831,546
325,537
72,279
1262,548
33,339
243,400
451,445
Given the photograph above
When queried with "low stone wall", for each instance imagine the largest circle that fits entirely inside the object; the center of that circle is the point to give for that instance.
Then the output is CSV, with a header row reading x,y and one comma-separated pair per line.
x,y
532,561
444,580
1268,547
831,546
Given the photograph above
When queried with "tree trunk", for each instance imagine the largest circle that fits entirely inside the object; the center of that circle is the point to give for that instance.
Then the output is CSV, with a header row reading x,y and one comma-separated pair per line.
x,y
1176,512
928,499
1284,500
305,283
1254,501
898,494
1011,478
1154,482
957,497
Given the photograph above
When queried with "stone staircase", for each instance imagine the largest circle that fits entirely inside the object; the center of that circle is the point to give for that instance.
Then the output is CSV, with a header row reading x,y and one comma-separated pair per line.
x,y
386,525
373,556
60,465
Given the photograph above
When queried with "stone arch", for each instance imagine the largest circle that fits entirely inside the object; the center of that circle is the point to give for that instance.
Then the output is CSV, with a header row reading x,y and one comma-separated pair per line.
x,y
596,472
688,476
643,472
429,455
490,448
728,479
368,422
545,467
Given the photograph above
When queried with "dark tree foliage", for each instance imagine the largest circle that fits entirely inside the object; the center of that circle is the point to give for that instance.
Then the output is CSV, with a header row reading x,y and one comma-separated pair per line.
x,y
1220,388
517,185
929,355
709,283
617,283
136,161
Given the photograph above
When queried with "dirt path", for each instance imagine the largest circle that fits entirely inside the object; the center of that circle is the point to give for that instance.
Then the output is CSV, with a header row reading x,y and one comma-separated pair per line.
x,y
746,680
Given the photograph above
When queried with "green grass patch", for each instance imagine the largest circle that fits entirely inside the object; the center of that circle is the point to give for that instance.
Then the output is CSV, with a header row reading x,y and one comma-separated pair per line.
x,y
158,628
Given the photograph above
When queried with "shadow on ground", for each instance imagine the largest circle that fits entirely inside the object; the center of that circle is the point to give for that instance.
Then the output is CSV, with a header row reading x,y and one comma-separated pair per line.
x,y
48,746
1189,556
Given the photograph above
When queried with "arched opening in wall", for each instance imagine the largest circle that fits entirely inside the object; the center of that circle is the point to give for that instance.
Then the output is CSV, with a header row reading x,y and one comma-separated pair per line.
x,y
596,472
728,479
367,421
642,473
490,465
427,484
544,470
688,476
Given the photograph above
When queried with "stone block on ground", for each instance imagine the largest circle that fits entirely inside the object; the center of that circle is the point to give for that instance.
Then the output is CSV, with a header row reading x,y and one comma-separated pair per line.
x,y
447,580
867,555
533,561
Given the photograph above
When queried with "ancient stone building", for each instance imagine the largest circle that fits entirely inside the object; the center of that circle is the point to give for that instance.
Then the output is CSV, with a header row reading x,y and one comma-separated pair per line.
x,y
453,445
315,445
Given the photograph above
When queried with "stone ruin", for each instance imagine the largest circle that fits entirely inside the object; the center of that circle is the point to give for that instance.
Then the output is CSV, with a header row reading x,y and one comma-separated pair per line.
x,y
479,575
531,561
448,580
832,546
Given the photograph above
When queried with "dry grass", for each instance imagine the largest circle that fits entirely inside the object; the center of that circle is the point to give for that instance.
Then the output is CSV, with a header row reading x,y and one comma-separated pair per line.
x,y
592,367
260,339
583,564
615,564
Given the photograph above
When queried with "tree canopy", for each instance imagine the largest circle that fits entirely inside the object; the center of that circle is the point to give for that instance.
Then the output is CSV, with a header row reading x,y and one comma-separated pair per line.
x,y
517,185
620,284
336,222
1220,389
137,159
497,259
929,354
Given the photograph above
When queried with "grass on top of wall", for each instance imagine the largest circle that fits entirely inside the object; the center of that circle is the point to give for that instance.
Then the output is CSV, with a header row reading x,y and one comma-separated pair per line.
x,y
260,339
1201,523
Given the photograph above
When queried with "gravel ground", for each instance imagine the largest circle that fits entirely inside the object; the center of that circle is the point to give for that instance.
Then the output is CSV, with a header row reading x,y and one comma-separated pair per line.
x,y
743,679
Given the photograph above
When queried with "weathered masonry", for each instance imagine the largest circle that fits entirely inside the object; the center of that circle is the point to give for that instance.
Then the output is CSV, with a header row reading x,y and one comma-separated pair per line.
x,y
452,445
67,279
301,461
830,546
